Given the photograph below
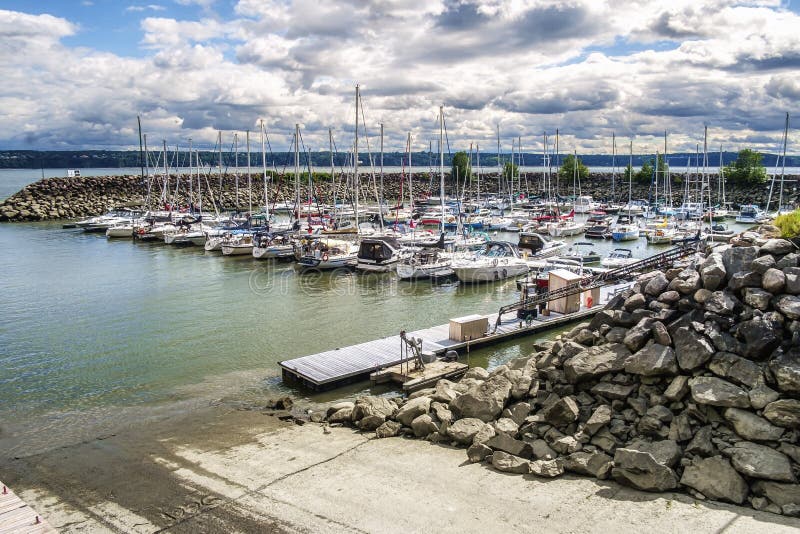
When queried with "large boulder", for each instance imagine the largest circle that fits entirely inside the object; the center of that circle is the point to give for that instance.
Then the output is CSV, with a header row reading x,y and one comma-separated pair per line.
x,y
484,401
505,443
692,349
637,336
596,361
546,468
778,247
736,259
716,479
345,415
423,426
463,431
642,471
712,271
780,494
666,452
773,280
792,280
789,305
761,336
656,285
722,303
687,282
750,426
759,461
593,464
373,406
613,391
717,392
599,418
785,367
560,413
735,368
784,413
413,409
654,359
757,298
508,463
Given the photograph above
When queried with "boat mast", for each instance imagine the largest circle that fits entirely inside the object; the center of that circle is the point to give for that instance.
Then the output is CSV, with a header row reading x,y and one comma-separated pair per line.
x,y
219,143
333,172
297,170
410,178
264,167
141,159
441,161
355,160
199,185
630,180
783,165
166,178
236,166
722,177
500,176
613,166
249,177
191,179
478,161
380,201
705,177
149,180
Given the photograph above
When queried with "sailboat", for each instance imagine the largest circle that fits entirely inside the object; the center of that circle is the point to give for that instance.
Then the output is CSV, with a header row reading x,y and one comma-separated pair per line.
x,y
625,229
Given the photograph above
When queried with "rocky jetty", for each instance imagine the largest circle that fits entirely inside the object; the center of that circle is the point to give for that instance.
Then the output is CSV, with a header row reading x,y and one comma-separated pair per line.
x,y
65,198
688,381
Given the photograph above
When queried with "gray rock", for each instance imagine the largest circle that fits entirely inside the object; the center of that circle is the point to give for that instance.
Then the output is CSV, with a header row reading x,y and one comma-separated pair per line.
x,y
616,334
661,334
565,445
686,283
596,361
605,440
517,412
506,426
669,297
784,413
665,452
484,401
721,339
736,369
691,348
761,395
508,463
332,409
759,461
505,443
712,271
637,336
542,451
388,429
789,305
445,392
757,298
653,360
785,367
656,285
744,279
413,409
477,452
779,247
371,422
478,373
613,391
561,413
736,259
701,443
594,464
780,494
702,295
773,280
677,389
635,301
792,280
484,434
716,479
761,336
423,426
750,426
722,303
546,468
717,392
790,260
370,405
442,412
599,418
642,471
762,263
345,415
464,430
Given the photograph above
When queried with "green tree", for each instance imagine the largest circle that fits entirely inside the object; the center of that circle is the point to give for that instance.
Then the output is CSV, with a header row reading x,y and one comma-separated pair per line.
x,y
510,171
645,174
568,168
461,166
747,169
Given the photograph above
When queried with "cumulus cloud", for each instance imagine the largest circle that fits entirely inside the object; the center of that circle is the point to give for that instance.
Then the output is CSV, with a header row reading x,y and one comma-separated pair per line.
x,y
587,67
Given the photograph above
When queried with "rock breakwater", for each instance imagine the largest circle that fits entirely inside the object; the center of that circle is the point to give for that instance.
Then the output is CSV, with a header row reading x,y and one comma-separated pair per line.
x,y
690,381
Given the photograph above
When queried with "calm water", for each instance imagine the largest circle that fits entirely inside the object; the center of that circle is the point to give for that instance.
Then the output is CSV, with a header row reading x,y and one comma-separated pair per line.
x,y
96,331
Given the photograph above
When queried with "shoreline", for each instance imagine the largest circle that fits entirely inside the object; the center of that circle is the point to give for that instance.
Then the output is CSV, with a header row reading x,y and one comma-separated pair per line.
x,y
222,470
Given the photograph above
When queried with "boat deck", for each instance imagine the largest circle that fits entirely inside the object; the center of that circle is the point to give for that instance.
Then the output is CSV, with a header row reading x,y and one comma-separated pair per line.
x,y
336,367
17,517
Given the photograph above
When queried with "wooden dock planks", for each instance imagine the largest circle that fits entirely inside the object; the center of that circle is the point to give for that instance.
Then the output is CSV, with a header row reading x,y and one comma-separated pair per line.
x,y
16,517
326,369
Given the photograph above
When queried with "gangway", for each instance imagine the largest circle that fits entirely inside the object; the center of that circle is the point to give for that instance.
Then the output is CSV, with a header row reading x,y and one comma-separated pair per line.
x,y
656,262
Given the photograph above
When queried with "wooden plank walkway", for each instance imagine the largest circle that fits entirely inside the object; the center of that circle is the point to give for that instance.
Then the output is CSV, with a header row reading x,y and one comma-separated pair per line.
x,y
16,517
330,368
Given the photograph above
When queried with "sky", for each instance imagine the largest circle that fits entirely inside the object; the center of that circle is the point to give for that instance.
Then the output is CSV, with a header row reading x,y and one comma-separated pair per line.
x,y
76,73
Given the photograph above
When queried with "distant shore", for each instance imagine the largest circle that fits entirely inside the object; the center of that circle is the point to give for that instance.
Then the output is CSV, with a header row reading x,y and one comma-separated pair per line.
x,y
67,198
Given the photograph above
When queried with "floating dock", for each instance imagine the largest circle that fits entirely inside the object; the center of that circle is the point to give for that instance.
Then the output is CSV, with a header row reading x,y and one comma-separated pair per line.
x,y
17,517
340,366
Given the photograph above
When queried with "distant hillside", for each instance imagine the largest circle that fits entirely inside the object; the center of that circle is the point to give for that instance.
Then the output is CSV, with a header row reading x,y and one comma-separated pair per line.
x,y
70,159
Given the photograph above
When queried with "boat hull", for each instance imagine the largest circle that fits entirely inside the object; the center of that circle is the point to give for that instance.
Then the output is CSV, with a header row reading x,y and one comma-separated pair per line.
x,y
237,250
489,273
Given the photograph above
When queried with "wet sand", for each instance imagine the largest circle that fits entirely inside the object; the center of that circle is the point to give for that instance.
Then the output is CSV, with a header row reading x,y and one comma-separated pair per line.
x,y
220,469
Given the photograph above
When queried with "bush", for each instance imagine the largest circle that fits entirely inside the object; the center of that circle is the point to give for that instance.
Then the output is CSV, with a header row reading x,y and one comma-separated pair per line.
x,y
747,169
789,224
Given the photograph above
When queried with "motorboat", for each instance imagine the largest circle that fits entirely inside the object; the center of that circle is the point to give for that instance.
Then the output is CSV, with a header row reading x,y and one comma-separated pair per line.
x,y
619,257
497,260
272,246
751,214
101,223
378,254
237,245
326,253
582,252
597,231
424,263
539,245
